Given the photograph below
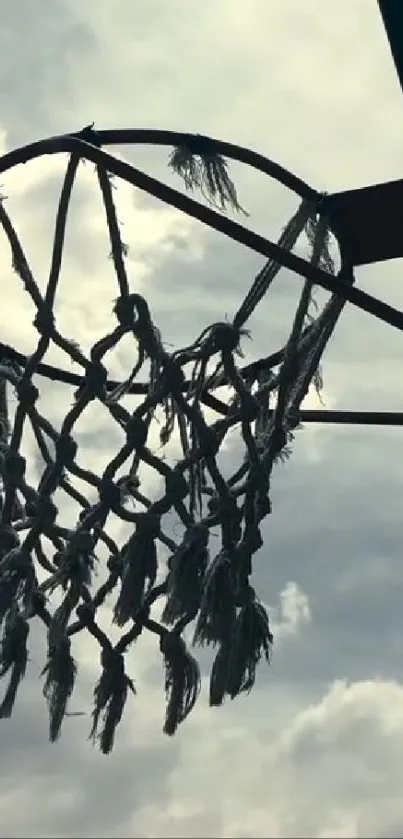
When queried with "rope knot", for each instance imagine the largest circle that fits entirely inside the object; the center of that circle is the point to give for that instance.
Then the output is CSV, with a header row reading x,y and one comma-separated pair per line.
x,y
173,376
109,494
14,467
46,512
112,661
9,539
27,394
250,407
210,442
44,321
66,450
37,604
172,645
224,338
132,309
114,564
96,377
176,486
136,432
143,614
148,525
80,542
227,510
30,508
85,613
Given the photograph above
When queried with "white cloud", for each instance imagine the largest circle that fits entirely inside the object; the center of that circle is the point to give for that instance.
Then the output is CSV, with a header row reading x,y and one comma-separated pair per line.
x,y
333,769
293,613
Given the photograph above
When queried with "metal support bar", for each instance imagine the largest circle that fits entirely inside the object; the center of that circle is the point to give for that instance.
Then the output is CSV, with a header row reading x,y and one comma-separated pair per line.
x,y
392,16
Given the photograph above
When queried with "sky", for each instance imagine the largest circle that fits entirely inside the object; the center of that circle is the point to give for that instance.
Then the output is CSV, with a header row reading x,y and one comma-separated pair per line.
x,y
316,747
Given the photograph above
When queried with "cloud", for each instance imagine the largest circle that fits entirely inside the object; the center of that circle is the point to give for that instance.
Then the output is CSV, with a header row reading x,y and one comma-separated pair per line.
x,y
294,611
332,769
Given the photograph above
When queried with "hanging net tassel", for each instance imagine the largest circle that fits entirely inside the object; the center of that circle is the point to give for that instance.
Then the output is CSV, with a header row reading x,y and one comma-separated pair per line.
x,y
110,698
202,168
234,667
182,680
13,657
219,676
60,671
17,576
217,608
139,558
187,568
250,641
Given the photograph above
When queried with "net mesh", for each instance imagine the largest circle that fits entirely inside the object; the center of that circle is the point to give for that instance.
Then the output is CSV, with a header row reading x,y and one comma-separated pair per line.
x,y
197,587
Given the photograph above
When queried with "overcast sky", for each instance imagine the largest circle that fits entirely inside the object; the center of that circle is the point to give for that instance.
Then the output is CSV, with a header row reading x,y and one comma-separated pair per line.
x,y
316,748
